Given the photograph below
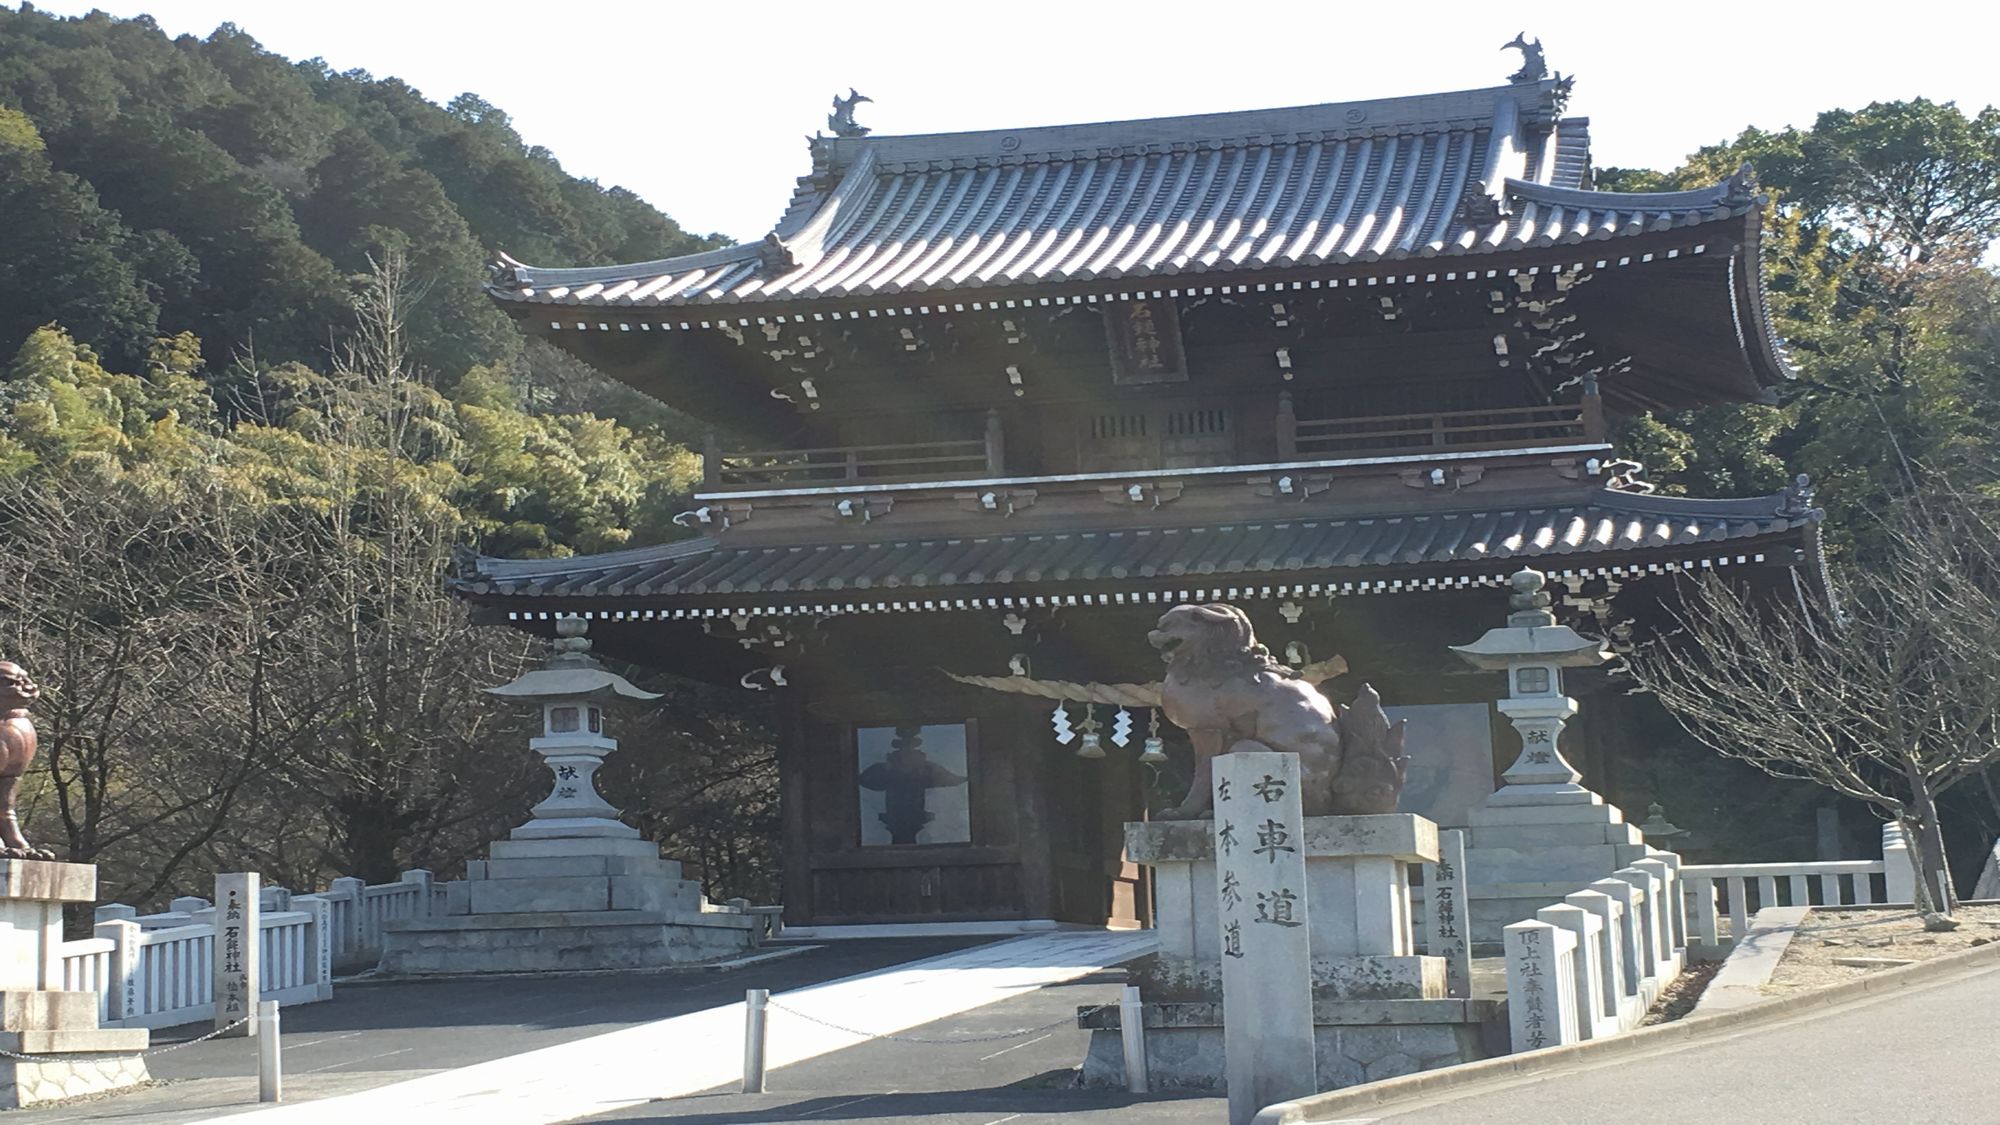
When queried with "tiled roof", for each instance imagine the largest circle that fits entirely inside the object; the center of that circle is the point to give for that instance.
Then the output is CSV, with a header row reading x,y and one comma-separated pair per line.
x,y
1610,523
1442,175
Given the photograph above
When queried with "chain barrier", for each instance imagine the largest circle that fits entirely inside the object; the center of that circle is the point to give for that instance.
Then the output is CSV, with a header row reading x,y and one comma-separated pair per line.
x,y
1082,1013
148,1053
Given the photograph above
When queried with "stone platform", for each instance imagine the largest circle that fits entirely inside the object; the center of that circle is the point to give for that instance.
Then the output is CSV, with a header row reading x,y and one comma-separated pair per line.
x,y
1379,1008
559,904
39,1017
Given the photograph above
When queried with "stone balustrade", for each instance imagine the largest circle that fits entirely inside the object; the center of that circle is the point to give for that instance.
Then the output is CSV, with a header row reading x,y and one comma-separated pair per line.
x,y
1739,890
157,970
1588,967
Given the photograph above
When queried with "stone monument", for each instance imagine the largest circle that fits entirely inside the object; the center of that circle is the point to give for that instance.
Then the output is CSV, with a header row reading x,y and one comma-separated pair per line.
x,y
1263,906
1378,1008
38,1017
574,887
1541,835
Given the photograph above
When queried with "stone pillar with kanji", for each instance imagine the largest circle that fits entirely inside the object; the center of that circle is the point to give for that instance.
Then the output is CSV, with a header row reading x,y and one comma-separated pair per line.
x,y
1262,911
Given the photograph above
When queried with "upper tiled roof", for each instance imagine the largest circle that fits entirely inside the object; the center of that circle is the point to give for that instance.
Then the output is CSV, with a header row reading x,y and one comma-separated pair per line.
x,y
1440,175
1610,523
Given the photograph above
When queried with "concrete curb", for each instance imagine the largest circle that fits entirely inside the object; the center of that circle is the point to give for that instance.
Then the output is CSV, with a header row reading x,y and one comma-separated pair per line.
x,y
1336,1104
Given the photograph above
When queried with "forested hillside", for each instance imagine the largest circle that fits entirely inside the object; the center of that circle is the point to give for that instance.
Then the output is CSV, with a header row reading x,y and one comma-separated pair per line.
x,y
206,185
251,400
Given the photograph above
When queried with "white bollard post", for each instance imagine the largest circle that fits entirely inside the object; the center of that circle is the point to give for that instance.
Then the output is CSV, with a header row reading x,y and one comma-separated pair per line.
x,y
1132,1032
754,1019
270,1066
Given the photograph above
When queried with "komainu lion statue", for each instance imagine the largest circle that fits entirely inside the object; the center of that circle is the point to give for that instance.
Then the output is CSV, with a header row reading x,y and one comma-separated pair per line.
x,y
1229,694
17,749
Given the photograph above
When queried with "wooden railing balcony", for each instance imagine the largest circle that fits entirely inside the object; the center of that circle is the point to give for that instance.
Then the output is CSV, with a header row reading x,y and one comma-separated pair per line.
x,y
1517,427
895,463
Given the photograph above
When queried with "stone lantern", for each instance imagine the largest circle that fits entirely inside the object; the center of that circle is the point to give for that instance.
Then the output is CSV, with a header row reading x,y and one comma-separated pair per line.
x,y
1533,650
1542,835
574,888
573,742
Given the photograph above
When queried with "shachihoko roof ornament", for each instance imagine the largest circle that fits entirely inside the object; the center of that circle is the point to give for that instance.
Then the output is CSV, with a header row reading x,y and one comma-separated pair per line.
x,y
841,120
1534,67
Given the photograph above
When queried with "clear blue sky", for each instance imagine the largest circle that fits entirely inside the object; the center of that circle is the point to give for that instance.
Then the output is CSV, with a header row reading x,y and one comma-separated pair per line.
x,y
701,107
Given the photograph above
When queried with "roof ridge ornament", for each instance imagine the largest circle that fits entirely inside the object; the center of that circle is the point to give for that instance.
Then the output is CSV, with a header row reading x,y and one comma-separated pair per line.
x,y
1796,501
1534,67
1740,189
841,120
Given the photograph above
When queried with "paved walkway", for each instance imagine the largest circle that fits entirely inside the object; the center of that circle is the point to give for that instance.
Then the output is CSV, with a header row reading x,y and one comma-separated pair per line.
x,y
535,1052
1925,1054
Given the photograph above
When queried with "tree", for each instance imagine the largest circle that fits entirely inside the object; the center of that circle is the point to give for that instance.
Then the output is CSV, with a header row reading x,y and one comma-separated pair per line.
x,y
1894,701
63,257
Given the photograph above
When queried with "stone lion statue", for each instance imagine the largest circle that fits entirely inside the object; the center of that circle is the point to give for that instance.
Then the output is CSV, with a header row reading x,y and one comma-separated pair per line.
x,y
17,749
1229,694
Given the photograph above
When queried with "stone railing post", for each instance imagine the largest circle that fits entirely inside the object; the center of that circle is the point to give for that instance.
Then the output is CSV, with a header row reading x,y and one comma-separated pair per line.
x,y
346,922
319,941
187,904
423,880
1651,956
1701,889
121,989
1587,975
1541,1002
1631,942
1899,869
116,912
1610,984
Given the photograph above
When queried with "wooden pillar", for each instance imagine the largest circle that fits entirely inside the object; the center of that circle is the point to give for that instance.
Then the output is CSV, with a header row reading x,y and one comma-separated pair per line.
x,y
1593,411
1032,768
1288,428
996,445
795,845
711,460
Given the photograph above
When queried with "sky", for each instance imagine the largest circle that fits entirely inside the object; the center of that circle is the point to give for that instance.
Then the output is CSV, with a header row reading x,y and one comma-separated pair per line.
x,y
702,108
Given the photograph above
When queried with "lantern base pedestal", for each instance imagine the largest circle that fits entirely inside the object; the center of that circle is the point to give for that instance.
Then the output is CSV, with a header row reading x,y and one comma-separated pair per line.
x,y
563,941
1521,857
568,895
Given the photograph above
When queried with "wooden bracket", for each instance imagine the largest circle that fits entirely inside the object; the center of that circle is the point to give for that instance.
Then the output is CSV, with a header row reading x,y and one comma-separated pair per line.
x,y
1146,494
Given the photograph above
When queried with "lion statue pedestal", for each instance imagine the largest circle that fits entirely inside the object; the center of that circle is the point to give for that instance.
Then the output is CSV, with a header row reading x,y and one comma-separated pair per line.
x,y
68,1054
1379,1008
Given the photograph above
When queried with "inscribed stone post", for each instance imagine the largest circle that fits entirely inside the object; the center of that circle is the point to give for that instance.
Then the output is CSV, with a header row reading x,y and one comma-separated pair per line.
x,y
237,926
1444,887
1541,1008
1260,879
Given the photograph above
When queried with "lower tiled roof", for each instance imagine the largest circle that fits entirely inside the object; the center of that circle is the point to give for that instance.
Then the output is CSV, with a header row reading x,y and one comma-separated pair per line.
x,y
1609,523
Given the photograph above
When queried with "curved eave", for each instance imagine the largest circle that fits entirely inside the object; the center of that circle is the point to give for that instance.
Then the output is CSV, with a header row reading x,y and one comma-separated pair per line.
x,y
609,291
1611,529
1756,331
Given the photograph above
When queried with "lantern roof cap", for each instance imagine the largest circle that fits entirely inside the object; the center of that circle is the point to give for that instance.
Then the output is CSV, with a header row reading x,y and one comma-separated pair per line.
x,y
571,672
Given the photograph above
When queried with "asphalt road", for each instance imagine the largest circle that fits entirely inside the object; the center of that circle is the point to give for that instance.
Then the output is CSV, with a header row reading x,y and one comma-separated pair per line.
x,y
1925,1054
371,1034
974,1071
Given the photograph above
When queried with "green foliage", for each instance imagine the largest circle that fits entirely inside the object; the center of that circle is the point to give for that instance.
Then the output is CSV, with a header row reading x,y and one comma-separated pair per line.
x,y
155,186
1875,236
